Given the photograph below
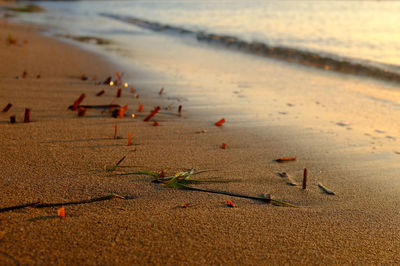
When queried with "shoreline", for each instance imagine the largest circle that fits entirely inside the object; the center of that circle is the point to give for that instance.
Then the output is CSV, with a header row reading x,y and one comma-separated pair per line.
x,y
59,157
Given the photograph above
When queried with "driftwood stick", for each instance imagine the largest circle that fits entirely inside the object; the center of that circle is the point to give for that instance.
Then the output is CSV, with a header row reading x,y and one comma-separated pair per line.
x,y
108,197
266,200
16,207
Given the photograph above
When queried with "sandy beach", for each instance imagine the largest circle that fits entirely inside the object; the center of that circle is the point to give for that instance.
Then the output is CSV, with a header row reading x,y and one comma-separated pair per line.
x,y
59,157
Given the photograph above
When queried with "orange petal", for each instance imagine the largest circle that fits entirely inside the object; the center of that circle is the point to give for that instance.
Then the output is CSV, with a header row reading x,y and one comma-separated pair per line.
x,y
220,122
61,212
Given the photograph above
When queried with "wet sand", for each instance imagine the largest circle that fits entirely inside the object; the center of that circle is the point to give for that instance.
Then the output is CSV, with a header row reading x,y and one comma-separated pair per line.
x,y
59,157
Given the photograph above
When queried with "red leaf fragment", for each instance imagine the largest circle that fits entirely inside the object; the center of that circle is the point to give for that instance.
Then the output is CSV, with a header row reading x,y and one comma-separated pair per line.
x,y
100,93
78,102
7,107
223,146
155,111
115,131
220,122
119,92
305,174
121,112
118,75
140,108
61,212
230,204
27,115
129,138
82,111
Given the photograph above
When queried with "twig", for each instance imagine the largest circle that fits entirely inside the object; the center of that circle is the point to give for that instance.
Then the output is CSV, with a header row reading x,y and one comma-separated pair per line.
x,y
115,166
266,200
104,198
16,207
325,189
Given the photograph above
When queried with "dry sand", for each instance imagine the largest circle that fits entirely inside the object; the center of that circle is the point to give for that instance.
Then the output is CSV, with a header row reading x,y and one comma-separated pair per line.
x,y
59,157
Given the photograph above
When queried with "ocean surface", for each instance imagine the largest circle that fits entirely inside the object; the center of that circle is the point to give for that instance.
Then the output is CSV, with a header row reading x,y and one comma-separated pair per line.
x,y
349,36
330,68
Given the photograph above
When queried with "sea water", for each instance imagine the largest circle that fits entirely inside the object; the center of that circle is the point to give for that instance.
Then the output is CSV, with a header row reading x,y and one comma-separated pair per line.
x,y
330,67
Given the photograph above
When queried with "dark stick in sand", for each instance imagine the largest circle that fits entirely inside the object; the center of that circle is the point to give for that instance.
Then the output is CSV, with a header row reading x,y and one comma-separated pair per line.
x,y
100,93
305,173
155,111
16,207
27,115
108,197
78,102
105,106
7,107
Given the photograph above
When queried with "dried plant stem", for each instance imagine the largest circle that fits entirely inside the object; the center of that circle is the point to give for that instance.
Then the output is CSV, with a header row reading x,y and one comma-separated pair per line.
x,y
266,200
16,207
104,198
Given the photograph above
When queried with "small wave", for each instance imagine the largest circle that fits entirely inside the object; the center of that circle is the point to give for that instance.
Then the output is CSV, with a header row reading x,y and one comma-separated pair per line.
x,y
292,55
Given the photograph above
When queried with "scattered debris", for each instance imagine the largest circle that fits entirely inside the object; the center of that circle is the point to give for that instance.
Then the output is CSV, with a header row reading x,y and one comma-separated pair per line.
x,y
16,207
27,115
230,204
108,197
100,93
155,111
282,160
179,180
115,131
106,106
121,112
81,111
78,102
115,166
7,108
61,212
220,122
129,138
118,75
325,189
108,80
49,205
289,180
305,174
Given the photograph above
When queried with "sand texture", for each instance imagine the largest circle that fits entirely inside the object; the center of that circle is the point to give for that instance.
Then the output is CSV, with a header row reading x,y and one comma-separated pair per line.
x,y
59,157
